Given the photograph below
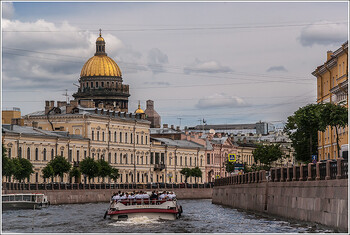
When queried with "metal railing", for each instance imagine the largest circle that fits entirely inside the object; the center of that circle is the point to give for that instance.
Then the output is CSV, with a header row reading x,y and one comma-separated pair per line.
x,y
101,186
329,170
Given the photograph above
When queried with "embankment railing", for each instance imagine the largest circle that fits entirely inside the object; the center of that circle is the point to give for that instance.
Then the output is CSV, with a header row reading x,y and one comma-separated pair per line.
x,y
328,170
100,186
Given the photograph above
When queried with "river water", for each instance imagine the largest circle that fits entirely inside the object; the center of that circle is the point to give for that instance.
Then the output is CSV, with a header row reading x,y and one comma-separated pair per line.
x,y
199,216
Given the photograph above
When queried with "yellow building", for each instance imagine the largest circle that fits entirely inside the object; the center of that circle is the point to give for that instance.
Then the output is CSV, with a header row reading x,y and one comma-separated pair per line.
x,y
332,86
8,115
97,124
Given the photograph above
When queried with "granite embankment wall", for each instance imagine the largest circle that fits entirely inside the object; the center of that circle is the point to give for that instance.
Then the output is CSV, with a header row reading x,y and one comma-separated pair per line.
x,y
104,195
314,193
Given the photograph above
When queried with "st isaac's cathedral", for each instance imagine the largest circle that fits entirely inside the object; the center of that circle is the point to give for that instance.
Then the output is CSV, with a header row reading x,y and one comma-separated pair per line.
x,y
97,124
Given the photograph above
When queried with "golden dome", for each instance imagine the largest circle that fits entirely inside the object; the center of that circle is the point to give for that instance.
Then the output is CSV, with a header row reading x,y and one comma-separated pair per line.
x,y
100,39
139,110
100,65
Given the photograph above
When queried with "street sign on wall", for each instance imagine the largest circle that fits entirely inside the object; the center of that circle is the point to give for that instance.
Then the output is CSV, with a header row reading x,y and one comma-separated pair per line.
x,y
232,157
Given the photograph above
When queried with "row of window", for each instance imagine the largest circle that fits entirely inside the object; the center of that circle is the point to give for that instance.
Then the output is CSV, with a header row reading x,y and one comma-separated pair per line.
x,y
139,139
98,84
129,178
156,158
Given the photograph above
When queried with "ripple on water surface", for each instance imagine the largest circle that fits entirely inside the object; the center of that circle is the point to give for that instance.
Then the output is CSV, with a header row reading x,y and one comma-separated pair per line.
x,y
199,216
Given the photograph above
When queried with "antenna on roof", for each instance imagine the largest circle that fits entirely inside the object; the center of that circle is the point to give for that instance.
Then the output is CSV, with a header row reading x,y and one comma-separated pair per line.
x,y
66,95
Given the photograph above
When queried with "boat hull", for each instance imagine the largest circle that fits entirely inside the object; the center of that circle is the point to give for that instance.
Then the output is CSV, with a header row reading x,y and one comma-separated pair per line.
x,y
165,210
22,205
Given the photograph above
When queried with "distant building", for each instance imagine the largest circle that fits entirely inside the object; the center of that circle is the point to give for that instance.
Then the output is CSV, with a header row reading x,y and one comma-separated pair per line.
x,y
264,128
152,115
332,86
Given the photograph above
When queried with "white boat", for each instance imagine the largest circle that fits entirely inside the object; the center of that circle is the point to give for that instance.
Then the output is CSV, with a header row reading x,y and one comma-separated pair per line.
x,y
166,209
24,201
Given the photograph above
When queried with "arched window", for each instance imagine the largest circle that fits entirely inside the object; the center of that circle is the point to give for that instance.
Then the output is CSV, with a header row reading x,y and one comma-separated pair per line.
x,y
20,152
120,137
44,154
132,159
131,141
109,135
190,161
52,153
126,137
185,161
141,139
121,158
109,158
115,157
180,161
103,136
28,153
92,135
36,154
126,158
115,136
98,135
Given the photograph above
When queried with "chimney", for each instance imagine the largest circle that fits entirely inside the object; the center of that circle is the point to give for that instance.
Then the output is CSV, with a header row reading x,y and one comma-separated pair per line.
x,y
35,124
172,127
165,125
178,128
329,55
52,103
61,104
48,106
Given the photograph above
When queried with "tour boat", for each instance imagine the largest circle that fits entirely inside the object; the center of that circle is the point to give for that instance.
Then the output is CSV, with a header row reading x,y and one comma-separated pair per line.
x,y
166,209
24,201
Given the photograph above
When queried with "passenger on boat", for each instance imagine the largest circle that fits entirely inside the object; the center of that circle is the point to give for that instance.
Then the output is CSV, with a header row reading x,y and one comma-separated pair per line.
x,y
131,196
163,196
124,196
116,198
154,196
145,195
171,196
138,195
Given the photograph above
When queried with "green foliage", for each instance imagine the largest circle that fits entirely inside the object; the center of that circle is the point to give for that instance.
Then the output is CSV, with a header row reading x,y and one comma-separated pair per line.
x,y
266,154
76,173
186,172
196,172
104,168
60,165
23,168
7,164
230,166
335,116
114,174
302,129
89,167
48,172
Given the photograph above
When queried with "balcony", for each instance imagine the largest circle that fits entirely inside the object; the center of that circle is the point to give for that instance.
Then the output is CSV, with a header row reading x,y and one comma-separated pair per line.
x,y
159,167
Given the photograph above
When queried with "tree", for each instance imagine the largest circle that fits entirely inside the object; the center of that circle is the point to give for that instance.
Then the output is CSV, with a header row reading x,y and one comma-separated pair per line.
x,y
230,166
114,174
76,173
335,116
7,164
104,169
196,172
302,129
89,167
48,172
266,154
60,166
23,168
186,172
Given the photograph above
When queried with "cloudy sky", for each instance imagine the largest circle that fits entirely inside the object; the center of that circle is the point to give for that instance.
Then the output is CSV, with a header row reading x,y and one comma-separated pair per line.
x,y
224,62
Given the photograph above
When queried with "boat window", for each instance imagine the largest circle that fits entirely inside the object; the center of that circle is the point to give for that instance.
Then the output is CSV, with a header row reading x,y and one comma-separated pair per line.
x,y
12,198
26,197
18,197
5,198
33,198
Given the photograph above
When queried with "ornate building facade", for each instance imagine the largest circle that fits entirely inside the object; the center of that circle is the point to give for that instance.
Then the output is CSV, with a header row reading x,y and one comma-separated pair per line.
x,y
97,124
101,81
332,86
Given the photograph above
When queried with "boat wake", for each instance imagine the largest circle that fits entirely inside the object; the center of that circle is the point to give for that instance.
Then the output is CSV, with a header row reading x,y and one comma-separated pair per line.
x,y
136,221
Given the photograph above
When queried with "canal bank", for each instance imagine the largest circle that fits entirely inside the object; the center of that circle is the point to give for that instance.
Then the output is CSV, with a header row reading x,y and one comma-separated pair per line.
x,y
67,196
305,196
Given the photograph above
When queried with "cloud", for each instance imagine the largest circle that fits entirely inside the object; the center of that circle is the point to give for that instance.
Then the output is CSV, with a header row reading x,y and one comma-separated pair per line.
x,y
156,60
220,101
35,59
277,69
323,34
157,83
206,67
7,10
